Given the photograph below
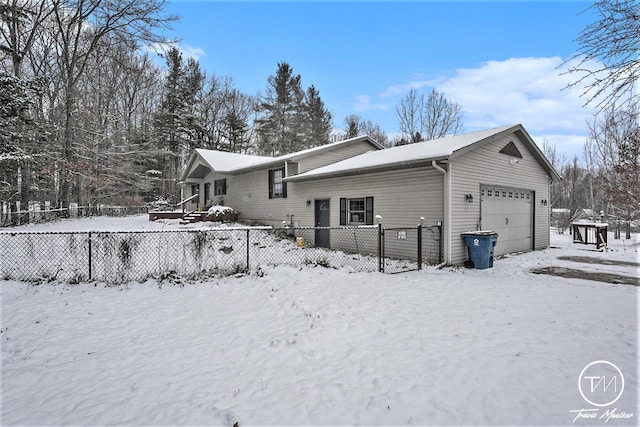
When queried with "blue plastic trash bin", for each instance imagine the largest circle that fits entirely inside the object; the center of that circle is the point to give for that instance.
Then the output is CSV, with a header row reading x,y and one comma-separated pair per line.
x,y
480,245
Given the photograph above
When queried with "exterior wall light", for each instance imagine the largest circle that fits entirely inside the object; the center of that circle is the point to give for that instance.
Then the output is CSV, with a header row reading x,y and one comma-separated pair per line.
x,y
468,198
543,202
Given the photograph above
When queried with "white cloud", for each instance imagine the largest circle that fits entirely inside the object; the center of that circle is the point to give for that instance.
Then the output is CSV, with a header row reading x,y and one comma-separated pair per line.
x,y
192,52
531,91
186,50
402,89
568,145
367,103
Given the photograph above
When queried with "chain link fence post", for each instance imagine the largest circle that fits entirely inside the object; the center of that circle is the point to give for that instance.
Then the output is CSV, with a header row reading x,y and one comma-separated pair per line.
x,y
248,268
440,245
90,263
380,245
420,244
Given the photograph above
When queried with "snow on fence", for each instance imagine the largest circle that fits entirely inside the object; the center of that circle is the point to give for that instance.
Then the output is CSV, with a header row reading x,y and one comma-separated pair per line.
x,y
118,257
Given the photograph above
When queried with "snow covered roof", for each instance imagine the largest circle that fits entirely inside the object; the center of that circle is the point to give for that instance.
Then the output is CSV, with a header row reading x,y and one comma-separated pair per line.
x,y
327,147
406,155
224,162
221,161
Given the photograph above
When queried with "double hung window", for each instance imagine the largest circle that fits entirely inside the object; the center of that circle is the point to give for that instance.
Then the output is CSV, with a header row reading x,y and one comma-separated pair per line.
x,y
356,211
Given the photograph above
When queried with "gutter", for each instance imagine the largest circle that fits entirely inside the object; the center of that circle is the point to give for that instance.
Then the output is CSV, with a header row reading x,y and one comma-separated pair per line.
x,y
363,170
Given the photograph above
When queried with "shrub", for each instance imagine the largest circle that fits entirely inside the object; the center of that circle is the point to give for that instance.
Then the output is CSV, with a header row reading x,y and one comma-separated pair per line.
x,y
218,213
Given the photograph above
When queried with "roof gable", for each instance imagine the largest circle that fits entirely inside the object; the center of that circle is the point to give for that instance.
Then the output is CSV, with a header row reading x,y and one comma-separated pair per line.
x,y
511,150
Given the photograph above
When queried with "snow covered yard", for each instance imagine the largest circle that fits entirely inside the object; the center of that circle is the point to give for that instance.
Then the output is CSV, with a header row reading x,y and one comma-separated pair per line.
x,y
311,345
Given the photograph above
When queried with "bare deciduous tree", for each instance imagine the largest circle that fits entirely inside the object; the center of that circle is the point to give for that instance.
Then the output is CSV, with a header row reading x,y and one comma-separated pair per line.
x,y
614,149
409,111
557,160
614,40
355,126
426,119
80,27
20,24
440,117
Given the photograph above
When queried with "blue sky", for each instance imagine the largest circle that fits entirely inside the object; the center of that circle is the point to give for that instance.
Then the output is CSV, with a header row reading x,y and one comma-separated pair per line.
x,y
501,61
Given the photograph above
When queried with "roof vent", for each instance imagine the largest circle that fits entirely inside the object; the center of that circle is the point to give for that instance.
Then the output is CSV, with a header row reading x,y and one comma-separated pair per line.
x,y
511,150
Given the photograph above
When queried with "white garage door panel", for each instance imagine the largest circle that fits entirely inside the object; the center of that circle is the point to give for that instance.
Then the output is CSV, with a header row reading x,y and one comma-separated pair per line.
x,y
508,212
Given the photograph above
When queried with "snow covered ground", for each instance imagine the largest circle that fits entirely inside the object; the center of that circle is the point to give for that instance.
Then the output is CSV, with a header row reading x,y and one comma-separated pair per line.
x,y
311,345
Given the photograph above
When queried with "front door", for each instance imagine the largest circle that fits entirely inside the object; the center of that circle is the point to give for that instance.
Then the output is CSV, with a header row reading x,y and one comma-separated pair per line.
x,y
322,220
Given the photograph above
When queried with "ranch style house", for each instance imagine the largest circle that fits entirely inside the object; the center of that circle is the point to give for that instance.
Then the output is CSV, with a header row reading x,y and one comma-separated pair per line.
x,y
496,179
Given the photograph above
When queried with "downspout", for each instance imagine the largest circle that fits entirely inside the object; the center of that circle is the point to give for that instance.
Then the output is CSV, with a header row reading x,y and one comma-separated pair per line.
x,y
446,223
439,168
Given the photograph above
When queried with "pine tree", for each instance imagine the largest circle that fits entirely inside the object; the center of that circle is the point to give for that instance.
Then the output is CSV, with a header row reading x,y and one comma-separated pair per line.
x,y
167,120
318,119
353,126
190,91
177,125
21,136
234,125
279,126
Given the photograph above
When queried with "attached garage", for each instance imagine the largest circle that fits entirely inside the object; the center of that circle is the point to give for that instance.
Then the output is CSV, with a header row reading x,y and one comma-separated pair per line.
x,y
509,212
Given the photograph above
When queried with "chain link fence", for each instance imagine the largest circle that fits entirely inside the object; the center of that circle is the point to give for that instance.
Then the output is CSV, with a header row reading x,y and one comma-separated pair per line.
x,y
119,257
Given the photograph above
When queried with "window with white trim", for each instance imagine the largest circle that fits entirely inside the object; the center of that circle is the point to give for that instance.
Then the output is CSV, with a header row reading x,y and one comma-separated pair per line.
x,y
220,187
277,187
356,211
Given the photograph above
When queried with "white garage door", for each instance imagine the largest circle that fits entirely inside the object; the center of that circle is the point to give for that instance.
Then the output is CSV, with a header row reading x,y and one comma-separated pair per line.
x,y
508,212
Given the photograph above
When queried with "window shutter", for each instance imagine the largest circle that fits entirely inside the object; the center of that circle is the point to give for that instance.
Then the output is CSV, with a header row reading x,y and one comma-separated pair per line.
x,y
284,186
368,210
343,211
271,184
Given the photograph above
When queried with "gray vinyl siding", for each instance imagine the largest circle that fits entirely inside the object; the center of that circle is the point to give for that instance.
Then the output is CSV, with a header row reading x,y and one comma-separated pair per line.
x,y
401,197
210,179
249,195
342,152
485,165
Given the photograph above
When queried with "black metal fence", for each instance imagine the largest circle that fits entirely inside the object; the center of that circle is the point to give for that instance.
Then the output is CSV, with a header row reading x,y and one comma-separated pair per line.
x,y
118,257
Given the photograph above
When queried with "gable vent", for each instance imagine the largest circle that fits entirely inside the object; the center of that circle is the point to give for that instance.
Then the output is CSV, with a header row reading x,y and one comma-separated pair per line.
x,y
511,150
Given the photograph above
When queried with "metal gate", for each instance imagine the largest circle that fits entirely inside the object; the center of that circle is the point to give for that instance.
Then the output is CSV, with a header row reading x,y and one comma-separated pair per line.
x,y
407,248
400,249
